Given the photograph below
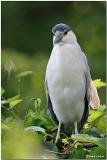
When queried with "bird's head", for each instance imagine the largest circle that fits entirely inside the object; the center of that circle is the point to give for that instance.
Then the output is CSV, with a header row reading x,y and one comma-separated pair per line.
x,y
63,34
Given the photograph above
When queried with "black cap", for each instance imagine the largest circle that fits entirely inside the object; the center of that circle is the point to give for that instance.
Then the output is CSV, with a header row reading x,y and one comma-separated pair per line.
x,y
61,27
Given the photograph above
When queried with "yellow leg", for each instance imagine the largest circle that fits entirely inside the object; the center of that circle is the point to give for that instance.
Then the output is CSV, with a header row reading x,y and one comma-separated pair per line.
x,y
58,132
76,128
76,133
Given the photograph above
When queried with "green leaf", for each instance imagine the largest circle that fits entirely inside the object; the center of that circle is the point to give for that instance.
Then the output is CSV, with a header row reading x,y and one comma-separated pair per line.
x,y
78,153
100,123
4,126
34,129
2,91
38,102
98,83
94,115
65,140
14,100
96,153
101,142
102,108
98,119
24,74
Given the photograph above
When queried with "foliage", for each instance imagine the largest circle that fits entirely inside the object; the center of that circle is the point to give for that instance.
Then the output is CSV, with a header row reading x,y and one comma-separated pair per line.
x,y
98,83
24,74
2,91
101,142
34,135
14,100
27,25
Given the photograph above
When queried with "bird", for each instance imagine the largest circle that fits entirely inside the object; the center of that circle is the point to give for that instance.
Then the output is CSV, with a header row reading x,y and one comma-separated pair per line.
x,y
70,90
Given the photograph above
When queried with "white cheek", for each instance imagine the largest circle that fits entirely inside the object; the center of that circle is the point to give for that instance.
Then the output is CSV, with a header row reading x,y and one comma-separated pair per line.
x,y
53,39
64,39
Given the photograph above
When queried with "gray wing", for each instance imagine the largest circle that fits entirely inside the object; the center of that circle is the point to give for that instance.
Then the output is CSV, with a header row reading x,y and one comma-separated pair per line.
x,y
49,104
92,94
85,113
87,74
86,99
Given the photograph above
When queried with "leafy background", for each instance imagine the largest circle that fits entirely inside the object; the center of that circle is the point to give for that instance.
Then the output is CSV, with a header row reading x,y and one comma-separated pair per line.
x,y
26,47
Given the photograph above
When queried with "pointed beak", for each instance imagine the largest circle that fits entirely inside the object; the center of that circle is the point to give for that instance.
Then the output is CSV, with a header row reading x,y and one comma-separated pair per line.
x,y
57,37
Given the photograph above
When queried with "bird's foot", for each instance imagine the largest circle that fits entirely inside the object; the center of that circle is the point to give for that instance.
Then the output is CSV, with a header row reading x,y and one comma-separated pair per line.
x,y
75,142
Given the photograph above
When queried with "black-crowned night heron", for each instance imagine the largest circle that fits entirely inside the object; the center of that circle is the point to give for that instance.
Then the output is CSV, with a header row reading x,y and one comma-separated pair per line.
x,y
69,87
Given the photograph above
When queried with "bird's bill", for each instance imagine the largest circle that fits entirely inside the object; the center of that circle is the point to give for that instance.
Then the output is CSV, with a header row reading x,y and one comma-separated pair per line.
x,y
57,37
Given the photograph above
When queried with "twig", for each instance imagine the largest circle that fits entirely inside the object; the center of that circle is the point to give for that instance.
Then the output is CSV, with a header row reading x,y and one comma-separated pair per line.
x,y
66,150
86,144
69,147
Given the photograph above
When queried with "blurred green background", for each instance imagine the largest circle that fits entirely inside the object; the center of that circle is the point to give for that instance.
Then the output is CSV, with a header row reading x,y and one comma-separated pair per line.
x,y
27,41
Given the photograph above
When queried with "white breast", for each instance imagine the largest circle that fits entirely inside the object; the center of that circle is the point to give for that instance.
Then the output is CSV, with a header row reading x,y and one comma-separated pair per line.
x,y
66,82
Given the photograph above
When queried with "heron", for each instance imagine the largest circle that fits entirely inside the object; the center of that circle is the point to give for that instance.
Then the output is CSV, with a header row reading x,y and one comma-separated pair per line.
x,y
70,90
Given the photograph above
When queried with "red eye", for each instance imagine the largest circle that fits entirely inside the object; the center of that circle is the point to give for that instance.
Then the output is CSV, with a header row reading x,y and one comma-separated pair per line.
x,y
65,32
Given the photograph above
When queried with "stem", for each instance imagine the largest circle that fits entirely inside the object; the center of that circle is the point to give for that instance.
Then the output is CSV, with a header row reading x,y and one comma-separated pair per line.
x,y
14,114
19,81
35,103
27,111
